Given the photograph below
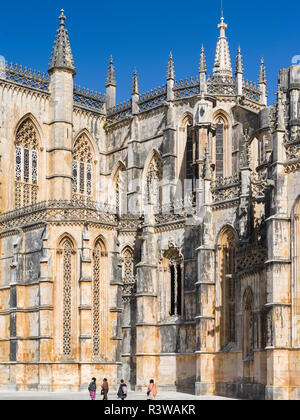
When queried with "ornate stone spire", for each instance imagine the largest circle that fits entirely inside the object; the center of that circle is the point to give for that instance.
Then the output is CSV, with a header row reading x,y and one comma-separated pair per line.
x,y
239,62
262,73
135,84
171,72
222,65
62,55
202,65
111,79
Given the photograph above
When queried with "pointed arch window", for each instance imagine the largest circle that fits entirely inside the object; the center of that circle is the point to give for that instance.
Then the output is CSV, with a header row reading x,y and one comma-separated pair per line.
x,y
67,251
99,303
128,275
82,168
172,287
227,261
220,148
26,164
120,189
248,326
153,179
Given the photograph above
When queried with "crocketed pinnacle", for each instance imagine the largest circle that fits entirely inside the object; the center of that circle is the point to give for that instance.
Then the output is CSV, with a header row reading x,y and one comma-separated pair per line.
x,y
222,65
239,63
111,79
202,65
135,84
170,72
62,55
262,73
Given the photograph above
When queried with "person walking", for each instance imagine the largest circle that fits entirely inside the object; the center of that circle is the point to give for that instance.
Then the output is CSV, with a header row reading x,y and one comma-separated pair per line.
x,y
152,390
105,389
122,392
92,389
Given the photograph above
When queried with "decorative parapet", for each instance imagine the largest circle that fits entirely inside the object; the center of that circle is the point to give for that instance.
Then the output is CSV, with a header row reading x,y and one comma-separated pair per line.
x,y
186,88
221,85
250,258
120,112
25,77
225,190
153,98
58,210
88,98
251,92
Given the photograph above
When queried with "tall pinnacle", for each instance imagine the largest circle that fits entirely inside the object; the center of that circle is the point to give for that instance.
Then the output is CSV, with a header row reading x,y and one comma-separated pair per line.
x,y
111,79
202,65
171,72
62,55
135,84
239,62
222,65
262,73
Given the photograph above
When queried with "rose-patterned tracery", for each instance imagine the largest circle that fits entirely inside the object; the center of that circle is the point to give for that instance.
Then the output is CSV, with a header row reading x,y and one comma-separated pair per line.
x,y
82,168
26,164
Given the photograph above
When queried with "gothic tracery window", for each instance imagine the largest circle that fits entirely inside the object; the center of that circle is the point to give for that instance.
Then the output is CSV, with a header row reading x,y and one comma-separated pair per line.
x,y
99,302
82,168
26,164
172,287
248,327
128,276
226,261
153,178
67,252
220,148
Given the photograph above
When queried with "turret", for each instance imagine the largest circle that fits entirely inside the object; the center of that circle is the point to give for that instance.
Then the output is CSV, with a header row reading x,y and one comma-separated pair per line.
x,y
61,73
170,78
262,83
239,73
202,71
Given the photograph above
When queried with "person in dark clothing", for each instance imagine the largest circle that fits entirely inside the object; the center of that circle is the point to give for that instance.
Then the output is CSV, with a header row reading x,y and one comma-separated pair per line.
x,y
105,389
122,392
92,389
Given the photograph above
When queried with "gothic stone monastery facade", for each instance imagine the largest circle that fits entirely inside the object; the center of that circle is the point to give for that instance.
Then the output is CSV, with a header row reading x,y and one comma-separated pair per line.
x,y
159,238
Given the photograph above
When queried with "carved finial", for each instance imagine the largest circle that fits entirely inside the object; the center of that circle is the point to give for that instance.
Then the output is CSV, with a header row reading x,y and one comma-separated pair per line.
x,y
202,65
262,73
170,72
111,79
62,54
239,62
62,17
135,84
222,66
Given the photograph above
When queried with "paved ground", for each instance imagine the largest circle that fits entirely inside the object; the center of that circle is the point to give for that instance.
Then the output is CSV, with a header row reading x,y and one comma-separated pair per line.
x,y
8,395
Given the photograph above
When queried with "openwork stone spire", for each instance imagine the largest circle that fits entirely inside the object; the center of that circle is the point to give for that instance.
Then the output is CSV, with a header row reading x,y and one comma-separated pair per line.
x,y
222,65
111,79
135,84
62,55
239,63
202,65
262,72
171,72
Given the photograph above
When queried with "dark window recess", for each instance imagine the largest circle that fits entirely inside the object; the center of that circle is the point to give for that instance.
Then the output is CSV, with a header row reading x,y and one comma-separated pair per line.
x,y
179,285
172,270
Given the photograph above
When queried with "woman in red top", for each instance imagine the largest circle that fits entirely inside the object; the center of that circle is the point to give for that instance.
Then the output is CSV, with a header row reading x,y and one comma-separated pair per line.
x,y
152,390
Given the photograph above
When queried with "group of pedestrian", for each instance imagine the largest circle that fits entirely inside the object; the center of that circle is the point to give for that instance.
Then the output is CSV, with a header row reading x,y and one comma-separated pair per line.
x,y
122,391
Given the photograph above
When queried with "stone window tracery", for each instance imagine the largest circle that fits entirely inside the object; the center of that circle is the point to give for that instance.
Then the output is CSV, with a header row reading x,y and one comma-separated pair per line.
x,y
99,303
26,164
172,287
82,168
128,276
153,178
227,264
120,189
67,250
220,148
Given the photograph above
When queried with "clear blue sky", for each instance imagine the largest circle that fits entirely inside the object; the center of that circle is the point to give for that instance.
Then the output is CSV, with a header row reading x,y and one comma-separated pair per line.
x,y
141,34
